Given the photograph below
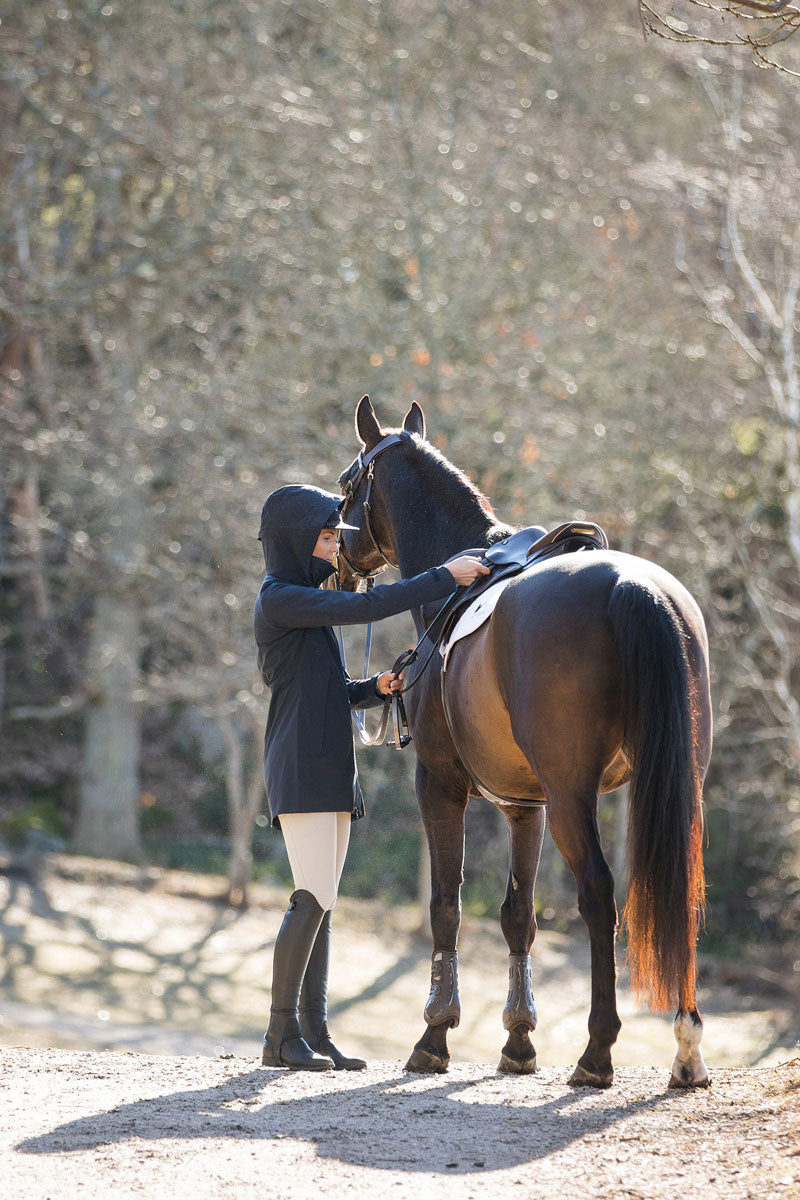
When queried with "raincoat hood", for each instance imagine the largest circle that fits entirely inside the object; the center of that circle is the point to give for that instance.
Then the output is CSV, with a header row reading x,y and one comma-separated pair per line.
x,y
291,521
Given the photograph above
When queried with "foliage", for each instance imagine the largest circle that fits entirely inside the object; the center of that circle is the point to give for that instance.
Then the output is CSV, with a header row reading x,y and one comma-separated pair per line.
x,y
224,223
43,816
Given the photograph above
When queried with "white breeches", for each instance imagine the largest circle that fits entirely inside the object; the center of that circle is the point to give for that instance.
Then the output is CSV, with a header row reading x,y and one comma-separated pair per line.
x,y
317,845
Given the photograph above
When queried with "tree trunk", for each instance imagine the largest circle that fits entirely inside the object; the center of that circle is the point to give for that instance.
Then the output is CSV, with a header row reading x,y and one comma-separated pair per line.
x,y
108,817
244,803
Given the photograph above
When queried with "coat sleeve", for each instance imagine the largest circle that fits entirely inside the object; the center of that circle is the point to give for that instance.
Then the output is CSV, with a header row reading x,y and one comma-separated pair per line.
x,y
362,693
294,607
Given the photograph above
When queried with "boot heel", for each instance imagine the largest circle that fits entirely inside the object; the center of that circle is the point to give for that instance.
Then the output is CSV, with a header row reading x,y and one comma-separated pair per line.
x,y
270,1057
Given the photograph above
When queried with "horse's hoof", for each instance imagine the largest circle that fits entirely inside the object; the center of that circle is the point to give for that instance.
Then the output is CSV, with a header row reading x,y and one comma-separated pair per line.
x,y
580,1077
514,1066
422,1062
686,1079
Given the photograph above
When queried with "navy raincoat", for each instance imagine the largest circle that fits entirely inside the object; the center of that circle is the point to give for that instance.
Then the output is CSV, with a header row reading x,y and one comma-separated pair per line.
x,y
309,758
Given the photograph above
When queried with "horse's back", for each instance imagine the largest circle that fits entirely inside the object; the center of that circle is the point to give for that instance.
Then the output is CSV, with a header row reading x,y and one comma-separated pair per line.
x,y
567,599
542,683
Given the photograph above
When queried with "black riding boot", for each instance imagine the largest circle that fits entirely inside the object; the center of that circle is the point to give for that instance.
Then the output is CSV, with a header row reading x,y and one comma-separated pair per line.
x,y
314,1003
283,1044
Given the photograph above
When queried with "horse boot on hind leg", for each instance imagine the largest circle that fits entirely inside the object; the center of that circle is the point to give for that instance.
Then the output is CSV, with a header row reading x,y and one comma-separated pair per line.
x,y
518,1057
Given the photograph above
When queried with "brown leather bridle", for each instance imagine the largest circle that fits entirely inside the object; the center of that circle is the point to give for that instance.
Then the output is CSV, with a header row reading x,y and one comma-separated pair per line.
x,y
350,482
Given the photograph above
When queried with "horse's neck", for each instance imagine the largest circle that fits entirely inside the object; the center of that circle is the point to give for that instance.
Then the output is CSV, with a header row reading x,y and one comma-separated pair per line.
x,y
448,530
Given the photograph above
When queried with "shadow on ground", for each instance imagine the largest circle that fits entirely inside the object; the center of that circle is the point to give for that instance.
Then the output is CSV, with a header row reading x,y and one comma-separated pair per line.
x,y
238,1109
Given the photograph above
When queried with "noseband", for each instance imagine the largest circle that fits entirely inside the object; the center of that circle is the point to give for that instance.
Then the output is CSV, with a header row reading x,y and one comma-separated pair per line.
x,y
365,467
393,707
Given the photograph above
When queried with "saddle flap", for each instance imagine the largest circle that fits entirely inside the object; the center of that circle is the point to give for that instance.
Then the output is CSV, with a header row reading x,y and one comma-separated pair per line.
x,y
515,548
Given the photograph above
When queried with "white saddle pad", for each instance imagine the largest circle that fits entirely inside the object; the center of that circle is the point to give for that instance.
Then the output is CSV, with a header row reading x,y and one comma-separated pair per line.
x,y
474,616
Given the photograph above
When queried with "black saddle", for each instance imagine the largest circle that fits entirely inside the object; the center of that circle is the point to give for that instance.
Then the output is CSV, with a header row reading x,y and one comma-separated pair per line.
x,y
515,554
514,550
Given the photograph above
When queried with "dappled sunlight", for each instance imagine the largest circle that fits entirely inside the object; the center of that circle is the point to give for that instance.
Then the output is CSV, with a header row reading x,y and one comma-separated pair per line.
x,y
174,972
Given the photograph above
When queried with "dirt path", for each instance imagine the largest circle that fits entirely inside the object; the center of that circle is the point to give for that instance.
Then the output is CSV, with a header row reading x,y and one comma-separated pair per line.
x,y
116,1125
99,958
103,956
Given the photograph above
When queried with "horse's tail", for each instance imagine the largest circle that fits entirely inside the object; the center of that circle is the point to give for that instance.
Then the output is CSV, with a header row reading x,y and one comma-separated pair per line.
x,y
666,885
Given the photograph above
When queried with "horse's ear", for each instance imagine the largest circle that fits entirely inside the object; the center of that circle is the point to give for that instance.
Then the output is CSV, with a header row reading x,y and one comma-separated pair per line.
x,y
415,420
367,426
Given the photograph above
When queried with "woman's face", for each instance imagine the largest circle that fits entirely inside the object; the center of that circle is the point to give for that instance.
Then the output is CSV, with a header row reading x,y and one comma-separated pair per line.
x,y
327,546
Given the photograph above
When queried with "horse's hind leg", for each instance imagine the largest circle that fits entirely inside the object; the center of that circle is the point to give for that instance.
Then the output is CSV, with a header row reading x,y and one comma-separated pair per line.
x,y
689,1070
573,824
443,804
518,922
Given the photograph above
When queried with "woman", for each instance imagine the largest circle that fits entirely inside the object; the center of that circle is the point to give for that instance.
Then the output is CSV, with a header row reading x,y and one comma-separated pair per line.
x,y
309,760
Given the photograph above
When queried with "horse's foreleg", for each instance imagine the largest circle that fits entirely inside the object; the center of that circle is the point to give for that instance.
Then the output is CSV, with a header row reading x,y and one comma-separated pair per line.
x,y
574,829
689,1070
518,922
443,806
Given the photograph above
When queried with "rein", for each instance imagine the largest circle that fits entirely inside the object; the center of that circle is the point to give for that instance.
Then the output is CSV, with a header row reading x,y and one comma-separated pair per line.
x,y
359,716
393,703
394,707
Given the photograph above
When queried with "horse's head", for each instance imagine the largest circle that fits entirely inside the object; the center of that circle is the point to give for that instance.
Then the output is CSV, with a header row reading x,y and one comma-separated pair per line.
x,y
372,547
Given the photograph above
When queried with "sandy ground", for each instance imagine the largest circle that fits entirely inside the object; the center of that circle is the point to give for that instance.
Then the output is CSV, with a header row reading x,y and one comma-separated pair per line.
x,y
99,1125
105,956
132,1007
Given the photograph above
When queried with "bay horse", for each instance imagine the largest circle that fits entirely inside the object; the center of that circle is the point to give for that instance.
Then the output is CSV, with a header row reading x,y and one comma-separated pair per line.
x,y
592,672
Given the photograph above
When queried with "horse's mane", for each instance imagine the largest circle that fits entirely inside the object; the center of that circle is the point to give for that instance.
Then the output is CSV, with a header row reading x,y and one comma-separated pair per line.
x,y
443,466
464,496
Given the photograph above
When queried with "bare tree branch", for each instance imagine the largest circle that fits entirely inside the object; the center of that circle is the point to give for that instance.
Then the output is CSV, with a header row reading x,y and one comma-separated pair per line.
x,y
760,25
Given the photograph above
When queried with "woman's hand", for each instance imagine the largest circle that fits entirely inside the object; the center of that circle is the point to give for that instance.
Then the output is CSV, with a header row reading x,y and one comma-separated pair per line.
x,y
466,569
387,683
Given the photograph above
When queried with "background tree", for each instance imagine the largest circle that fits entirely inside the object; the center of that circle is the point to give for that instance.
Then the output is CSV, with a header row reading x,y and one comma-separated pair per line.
x,y
223,224
761,26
